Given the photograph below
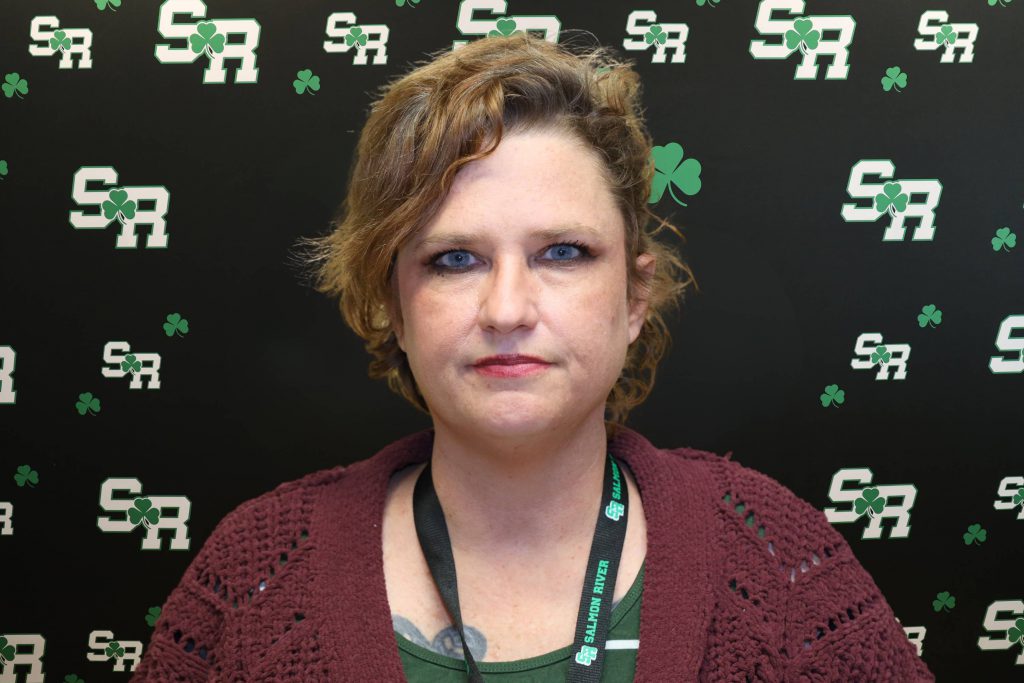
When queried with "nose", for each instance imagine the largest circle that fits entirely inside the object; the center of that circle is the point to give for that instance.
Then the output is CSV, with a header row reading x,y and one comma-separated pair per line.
x,y
508,298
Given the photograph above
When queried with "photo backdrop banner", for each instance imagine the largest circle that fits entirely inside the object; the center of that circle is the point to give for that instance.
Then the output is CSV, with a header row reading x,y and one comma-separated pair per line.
x,y
847,174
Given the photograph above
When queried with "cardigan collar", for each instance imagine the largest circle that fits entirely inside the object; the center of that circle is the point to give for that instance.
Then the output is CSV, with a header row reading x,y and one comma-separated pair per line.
x,y
682,556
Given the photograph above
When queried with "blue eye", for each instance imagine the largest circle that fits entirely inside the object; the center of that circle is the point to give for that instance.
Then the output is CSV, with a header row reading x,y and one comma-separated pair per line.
x,y
561,248
460,263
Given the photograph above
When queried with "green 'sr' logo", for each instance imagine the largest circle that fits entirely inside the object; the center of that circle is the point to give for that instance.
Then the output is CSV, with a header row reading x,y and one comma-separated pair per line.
x,y
614,510
586,655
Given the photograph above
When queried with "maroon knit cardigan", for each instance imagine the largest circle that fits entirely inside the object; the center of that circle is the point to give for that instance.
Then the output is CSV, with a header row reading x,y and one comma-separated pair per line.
x,y
743,581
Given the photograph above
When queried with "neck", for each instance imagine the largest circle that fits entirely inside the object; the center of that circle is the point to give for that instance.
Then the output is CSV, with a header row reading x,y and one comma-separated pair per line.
x,y
514,497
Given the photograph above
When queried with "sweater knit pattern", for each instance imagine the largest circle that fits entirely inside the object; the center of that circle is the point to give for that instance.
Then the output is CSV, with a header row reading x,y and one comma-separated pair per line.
x,y
744,582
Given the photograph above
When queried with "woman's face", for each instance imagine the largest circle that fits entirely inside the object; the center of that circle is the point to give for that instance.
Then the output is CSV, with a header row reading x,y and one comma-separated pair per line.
x,y
505,290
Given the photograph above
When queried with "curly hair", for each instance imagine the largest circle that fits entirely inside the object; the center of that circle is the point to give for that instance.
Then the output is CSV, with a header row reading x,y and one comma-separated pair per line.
x,y
453,108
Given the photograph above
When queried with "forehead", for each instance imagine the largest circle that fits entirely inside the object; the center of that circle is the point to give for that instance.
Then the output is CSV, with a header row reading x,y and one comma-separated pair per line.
x,y
538,186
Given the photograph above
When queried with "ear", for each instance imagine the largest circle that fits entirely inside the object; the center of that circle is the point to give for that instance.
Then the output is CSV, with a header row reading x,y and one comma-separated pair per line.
x,y
396,327
646,264
394,311
395,316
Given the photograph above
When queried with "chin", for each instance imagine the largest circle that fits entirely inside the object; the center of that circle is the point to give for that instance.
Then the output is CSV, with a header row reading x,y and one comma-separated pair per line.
x,y
507,420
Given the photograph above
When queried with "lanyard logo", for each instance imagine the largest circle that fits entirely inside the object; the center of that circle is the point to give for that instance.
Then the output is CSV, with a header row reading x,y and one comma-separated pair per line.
x,y
614,510
586,655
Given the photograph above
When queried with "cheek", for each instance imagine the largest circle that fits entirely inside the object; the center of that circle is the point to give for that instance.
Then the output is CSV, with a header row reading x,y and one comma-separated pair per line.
x,y
609,307
592,323
433,324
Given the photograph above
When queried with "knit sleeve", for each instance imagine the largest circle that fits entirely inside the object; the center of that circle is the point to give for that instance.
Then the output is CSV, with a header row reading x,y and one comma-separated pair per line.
x,y
838,624
191,622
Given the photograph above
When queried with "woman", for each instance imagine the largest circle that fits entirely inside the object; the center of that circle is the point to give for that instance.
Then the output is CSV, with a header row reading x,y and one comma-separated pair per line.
x,y
493,251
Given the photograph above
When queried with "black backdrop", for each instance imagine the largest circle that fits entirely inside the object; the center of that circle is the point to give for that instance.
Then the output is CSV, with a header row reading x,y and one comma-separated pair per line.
x,y
267,383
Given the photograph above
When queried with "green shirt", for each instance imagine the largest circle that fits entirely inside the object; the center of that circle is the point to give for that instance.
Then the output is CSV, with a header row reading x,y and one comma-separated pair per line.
x,y
422,665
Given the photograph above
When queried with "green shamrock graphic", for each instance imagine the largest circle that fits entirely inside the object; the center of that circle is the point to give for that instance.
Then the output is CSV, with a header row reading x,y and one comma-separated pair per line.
x,y
801,36
103,4
880,355
975,534
992,3
709,3
6,650
928,315
1004,240
87,403
13,83
869,502
73,678
206,38
143,512
668,172
400,3
891,198
306,80
656,34
130,364
833,395
942,601
118,206
3,168
175,323
26,475
894,78
506,27
60,41
114,650
1016,632
1018,497
946,34
152,615
355,35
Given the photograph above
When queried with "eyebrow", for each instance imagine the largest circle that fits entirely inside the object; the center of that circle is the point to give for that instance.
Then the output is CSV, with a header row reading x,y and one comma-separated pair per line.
x,y
553,233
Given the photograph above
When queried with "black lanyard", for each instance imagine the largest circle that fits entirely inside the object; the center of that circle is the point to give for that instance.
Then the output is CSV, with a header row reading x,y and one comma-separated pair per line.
x,y
598,584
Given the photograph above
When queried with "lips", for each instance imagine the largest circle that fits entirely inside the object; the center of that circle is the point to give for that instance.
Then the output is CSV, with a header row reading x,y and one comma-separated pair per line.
x,y
511,370
513,359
